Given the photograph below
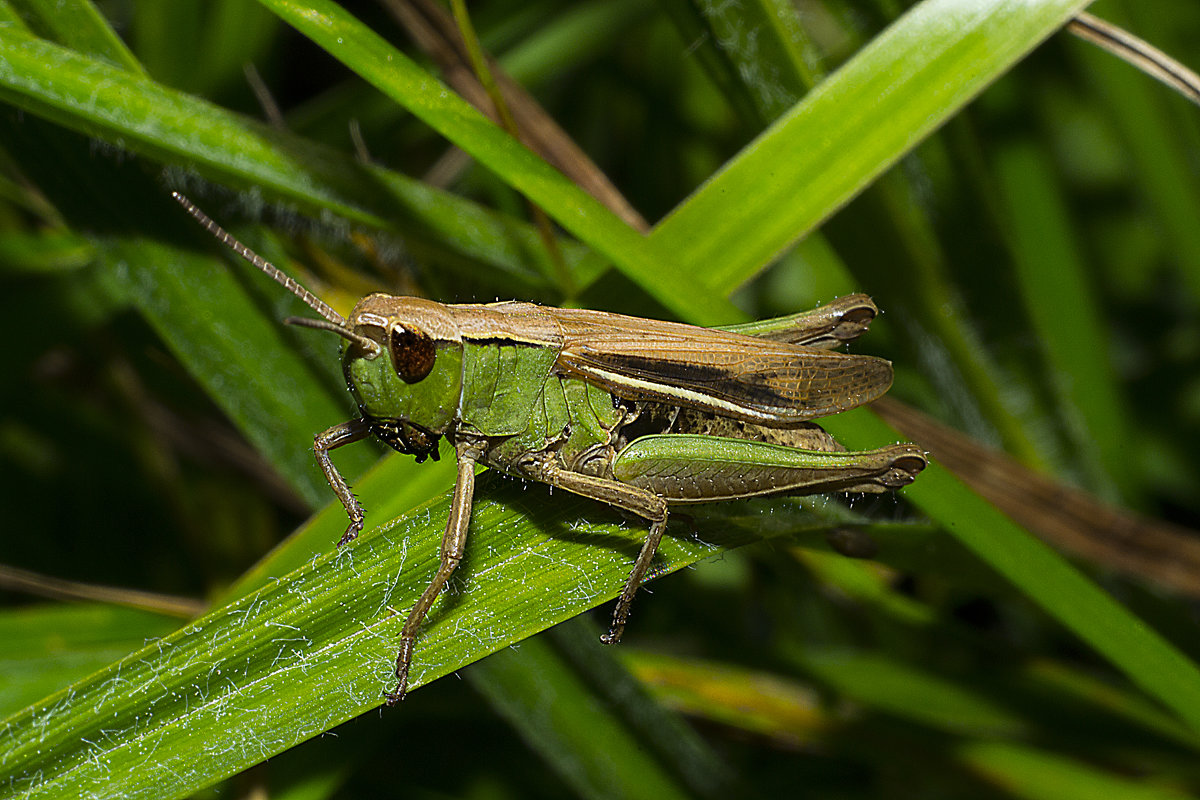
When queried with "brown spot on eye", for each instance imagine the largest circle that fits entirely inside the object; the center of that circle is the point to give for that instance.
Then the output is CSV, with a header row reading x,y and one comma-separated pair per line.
x,y
413,354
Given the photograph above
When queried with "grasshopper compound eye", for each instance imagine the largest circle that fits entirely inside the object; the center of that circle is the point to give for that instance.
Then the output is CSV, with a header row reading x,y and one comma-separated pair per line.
x,y
413,353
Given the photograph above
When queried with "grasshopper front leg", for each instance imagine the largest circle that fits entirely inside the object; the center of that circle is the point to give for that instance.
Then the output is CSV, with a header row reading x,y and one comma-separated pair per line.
x,y
454,543
346,433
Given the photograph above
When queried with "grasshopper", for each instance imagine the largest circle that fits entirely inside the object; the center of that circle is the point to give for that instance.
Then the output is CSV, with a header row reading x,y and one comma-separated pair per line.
x,y
636,413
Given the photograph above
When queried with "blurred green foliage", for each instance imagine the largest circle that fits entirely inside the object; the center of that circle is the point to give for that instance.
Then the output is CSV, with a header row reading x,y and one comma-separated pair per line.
x,y
1038,260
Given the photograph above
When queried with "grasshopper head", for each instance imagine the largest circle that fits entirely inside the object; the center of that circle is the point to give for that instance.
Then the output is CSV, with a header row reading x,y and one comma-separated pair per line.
x,y
404,366
403,358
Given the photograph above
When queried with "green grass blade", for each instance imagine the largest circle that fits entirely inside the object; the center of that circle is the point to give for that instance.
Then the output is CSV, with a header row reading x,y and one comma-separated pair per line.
x,y
580,31
390,489
516,681
1157,144
1063,308
396,75
317,647
1044,576
807,164
1025,772
241,356
91,96
43,648
80,25
44,252
10,17
757,52
541,687
849,129
914,279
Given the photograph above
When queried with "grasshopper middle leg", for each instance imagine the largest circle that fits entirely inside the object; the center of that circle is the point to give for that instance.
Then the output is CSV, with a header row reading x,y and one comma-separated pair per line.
x,y
454,543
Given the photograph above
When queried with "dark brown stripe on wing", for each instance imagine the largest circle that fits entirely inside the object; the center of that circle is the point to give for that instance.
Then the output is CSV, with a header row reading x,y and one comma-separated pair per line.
x,y
774,385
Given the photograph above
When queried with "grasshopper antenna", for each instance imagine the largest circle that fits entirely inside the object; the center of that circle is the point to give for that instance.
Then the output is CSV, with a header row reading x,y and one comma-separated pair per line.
x,y
333,320
226,238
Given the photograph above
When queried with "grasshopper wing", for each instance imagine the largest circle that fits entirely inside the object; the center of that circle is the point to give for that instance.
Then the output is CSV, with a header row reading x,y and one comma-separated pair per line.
x,y
772,383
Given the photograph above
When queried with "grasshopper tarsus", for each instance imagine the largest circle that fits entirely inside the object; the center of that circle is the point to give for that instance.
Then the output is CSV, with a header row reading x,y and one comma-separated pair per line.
x,y
403,661
352,531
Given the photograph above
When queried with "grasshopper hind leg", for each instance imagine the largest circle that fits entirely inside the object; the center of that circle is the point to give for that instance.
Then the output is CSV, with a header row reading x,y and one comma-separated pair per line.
x,y
640,568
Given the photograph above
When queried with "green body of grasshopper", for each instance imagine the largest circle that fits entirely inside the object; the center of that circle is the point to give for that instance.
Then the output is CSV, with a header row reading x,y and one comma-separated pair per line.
x,y
635,413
